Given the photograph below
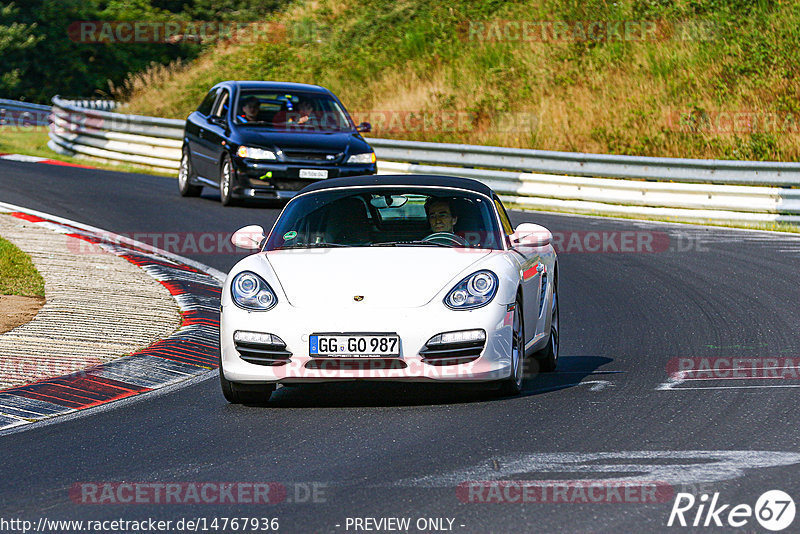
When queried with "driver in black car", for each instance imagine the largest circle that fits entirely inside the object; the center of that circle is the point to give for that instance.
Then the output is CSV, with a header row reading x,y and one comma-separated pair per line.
x,y
250,109
442,221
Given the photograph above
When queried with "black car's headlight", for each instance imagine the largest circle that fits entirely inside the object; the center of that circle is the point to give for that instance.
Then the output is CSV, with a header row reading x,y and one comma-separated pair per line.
x,y
366,157
255,153
252,292
474,291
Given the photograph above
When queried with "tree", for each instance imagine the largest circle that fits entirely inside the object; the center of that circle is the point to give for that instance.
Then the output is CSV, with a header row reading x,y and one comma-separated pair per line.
x,y
15,40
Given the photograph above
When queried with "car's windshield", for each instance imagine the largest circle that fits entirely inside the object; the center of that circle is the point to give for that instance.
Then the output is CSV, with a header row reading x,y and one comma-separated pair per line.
x,y
291,111
387,217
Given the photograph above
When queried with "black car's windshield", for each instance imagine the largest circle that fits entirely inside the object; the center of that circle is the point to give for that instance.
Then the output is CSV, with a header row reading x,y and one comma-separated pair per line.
x,y
387,217
291,111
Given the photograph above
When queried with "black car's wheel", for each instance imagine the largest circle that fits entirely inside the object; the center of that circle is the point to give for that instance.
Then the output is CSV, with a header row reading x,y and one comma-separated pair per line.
x,y
236,393
513,384
548,356
185,176
226,182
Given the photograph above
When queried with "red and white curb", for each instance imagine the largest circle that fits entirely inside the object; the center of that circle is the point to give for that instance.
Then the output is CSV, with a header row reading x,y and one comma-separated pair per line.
x,y
190,351
36,159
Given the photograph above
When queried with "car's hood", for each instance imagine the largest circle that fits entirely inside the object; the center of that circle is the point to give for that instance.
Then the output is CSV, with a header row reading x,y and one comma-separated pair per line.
x,y
335,142
405,277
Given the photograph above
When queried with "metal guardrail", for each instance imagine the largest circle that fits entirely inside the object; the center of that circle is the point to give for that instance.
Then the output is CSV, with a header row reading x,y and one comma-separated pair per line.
x,y
95,133
22,114
599,165
683,189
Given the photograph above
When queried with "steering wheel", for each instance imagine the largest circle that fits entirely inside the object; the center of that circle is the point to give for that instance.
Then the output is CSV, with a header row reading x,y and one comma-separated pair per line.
x,y
447,238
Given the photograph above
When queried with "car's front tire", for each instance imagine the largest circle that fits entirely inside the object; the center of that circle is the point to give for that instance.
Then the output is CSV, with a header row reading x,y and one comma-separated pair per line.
x,y
236,393
548,356
226,182
185,175
513,384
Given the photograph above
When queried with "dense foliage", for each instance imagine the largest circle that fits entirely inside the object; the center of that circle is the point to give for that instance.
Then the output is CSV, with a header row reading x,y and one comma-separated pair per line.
x,y
38,57
711,62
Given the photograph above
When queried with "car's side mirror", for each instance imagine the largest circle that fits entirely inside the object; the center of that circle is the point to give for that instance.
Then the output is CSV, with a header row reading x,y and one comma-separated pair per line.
x,y
249,237
531,235
364,127
219,121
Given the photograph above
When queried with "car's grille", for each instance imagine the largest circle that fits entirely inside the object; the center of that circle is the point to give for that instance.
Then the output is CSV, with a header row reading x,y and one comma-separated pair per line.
x,y
360,364
454,354
288,184
311,156
263,354
543,292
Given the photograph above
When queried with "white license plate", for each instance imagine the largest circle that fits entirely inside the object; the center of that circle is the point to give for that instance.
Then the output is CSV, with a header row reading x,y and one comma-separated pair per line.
x,y
354,345
313,173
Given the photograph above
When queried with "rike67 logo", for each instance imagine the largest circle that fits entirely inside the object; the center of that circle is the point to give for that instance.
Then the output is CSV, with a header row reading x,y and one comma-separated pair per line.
x,y
774,510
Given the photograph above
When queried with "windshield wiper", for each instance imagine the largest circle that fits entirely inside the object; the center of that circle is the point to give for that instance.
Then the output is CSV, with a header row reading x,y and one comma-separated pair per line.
x,y
410,244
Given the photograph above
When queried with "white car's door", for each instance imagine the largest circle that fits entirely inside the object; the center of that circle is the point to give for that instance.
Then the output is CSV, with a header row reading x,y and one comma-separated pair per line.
x,y
530,265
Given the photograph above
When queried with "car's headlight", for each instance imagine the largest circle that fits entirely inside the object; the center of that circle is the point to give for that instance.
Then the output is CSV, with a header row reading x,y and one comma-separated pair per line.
x,y
255,153
366,157
252,292
474,291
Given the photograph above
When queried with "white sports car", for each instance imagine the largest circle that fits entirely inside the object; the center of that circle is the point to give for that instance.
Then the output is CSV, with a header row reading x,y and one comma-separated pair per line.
x,y
402,278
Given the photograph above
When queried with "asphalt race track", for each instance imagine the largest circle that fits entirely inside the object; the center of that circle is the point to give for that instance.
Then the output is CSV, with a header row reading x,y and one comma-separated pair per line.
x,y
616,409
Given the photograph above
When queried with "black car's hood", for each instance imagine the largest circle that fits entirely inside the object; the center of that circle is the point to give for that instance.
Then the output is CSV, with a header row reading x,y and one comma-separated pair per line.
x,y
335,142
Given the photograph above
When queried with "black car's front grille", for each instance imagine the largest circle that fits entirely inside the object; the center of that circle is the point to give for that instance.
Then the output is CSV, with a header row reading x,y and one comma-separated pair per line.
x,y
279,183
315,156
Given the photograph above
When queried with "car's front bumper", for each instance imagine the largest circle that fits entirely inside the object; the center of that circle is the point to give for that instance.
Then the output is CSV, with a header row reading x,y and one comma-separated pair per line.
x,y
259,179
415,326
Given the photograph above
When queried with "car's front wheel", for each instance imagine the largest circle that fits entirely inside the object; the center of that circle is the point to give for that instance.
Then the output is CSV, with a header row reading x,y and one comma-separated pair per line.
x,y
185,175
236,393
548,356
226,182
513,384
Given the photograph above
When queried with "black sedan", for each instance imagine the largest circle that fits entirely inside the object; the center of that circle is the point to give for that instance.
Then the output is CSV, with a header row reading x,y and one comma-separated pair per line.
x,y
261,140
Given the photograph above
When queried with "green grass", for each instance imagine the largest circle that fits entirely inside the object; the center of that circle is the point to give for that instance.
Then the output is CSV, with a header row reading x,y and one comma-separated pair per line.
x,y
18,276
659,97
30,142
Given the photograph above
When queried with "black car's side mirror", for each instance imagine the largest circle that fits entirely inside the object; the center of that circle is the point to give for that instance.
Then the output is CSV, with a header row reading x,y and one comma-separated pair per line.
x,y
364,127
219,121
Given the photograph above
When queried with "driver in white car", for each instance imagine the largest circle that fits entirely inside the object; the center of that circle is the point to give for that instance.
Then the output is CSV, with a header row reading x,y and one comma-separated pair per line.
x,y
440,215
442,222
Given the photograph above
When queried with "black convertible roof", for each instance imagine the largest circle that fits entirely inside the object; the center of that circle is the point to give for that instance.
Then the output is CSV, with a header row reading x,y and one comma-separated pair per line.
x,y
401,180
